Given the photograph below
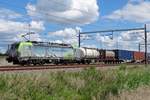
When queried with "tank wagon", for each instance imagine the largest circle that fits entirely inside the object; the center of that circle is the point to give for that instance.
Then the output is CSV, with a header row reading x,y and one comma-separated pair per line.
x,y
107,56
87,55
39,53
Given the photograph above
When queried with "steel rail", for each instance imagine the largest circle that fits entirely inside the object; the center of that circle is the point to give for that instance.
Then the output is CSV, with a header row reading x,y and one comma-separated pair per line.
x,y
27,68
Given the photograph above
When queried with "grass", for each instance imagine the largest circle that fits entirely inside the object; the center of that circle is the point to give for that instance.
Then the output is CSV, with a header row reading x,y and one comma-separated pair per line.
x,y
88,84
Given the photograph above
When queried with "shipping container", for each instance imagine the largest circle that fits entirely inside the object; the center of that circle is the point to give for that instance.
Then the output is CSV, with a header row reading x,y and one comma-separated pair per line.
x,y
124,55
138,56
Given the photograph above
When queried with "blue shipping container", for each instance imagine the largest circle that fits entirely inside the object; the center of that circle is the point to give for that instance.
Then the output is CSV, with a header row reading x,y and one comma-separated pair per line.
x,y
123,54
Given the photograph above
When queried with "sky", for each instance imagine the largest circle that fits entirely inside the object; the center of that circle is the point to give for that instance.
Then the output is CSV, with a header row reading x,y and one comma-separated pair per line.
x,y
61,20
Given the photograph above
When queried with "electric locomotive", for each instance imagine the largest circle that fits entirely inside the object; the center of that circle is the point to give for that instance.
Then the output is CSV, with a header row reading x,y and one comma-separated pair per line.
x,y
32,52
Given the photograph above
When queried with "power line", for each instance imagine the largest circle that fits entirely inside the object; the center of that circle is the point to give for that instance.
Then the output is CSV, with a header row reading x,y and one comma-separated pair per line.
x,y
115,30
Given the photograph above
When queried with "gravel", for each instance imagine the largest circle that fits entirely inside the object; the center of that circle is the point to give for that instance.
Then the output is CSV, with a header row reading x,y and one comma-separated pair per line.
x,y
3,61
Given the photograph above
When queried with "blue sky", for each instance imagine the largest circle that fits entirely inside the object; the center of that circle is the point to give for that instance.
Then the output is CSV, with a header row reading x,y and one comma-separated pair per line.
x,y
59,21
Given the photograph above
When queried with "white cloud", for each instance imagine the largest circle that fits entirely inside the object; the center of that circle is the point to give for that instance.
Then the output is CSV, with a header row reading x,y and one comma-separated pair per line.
x,y
37,25
14,27
31,10
77,12
68,35
139,12
67,32
133,35
54,6
106,41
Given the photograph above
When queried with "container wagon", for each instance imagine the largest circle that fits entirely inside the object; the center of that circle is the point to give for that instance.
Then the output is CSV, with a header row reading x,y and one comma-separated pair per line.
x,y
123,56
139,57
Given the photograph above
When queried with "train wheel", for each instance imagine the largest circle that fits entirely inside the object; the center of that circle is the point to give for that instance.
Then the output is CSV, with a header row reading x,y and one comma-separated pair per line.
x,y
88,62
83,62
34,64
56,63
78,62
22,64
41,63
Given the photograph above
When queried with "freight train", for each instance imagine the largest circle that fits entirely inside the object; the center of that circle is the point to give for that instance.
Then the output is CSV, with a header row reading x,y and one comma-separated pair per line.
x,y
40,53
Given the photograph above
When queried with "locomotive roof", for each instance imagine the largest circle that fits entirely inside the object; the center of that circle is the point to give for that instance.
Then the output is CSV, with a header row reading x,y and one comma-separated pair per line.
x,y
46,44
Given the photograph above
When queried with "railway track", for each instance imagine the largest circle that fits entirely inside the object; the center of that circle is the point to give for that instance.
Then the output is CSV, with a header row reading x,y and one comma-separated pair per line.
x,y
26,68
17,68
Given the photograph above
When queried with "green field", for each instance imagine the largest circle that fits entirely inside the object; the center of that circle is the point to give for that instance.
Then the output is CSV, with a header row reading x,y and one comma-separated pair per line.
x,y
88,84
